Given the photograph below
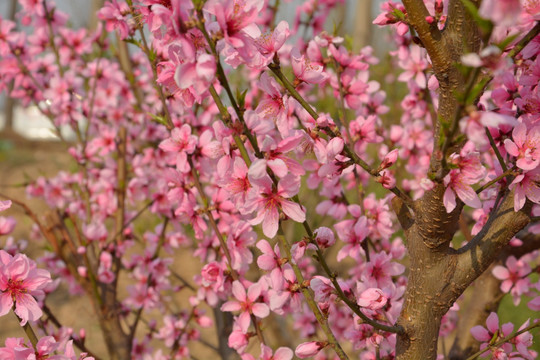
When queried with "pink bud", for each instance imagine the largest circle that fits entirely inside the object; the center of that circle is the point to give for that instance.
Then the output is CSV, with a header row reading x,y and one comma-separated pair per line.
x,y
389,159
430,19
82,271
324,237
7,224
309,349
372,298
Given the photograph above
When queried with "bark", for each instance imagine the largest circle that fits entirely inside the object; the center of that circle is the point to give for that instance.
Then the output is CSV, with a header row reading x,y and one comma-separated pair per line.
x,y
438,274
224,323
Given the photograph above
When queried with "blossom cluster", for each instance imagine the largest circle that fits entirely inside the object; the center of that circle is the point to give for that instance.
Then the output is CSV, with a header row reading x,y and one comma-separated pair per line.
x,y
228,176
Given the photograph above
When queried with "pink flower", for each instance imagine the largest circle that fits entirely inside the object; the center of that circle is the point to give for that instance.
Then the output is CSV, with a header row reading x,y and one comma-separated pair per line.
x,y
493,333
372,298
5,204
469,171
275,158
183,143
273,107
267,203
7,224
526,146
526,187
269,44
389,159
322,287
514,277
246,302
114,15
534,304
282,353
305,70
309,349
20,281
270,260
239,337
236,17
324,237
414,64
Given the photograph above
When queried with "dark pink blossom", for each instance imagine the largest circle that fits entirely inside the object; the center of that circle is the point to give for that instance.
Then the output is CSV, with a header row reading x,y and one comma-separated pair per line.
x,y
20,282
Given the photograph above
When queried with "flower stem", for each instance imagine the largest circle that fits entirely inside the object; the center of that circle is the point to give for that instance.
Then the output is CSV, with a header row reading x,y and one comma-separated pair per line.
x,y
28,330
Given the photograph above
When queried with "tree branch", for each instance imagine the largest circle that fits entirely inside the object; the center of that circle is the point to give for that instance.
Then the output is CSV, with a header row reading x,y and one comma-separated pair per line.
x,y
478,254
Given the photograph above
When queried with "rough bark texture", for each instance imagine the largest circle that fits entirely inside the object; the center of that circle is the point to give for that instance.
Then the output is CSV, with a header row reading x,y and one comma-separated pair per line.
x,y
439,274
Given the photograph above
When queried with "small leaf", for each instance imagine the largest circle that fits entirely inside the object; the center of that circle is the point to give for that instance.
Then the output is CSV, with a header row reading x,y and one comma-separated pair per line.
x,y
476,91
399,14
504,44
241,98
158,118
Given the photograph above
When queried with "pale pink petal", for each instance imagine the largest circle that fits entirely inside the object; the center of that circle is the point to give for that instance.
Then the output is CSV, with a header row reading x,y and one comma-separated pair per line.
x,y
6,303
239,291
27,308
283,353
520,134
257,169
511,148
500,272
278,299
480,333
308,349
468,196
492,322
534,304
260,310
231,306
293,210
278,166
254,291
270,223
449,200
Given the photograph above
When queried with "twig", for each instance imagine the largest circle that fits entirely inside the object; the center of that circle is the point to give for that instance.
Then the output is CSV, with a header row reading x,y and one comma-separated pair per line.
x,y
503,340
77,342
28,330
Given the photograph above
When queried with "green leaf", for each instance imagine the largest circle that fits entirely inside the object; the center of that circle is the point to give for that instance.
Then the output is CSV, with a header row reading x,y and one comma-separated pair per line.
x,y
241,98
133,41
399,14
476,91
158,118
504,44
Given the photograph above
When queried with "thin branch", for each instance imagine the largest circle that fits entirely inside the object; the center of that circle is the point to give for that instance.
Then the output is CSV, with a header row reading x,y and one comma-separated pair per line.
x,y
504,340
496,150
77,342
28,330
525,40
276,69
496,180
